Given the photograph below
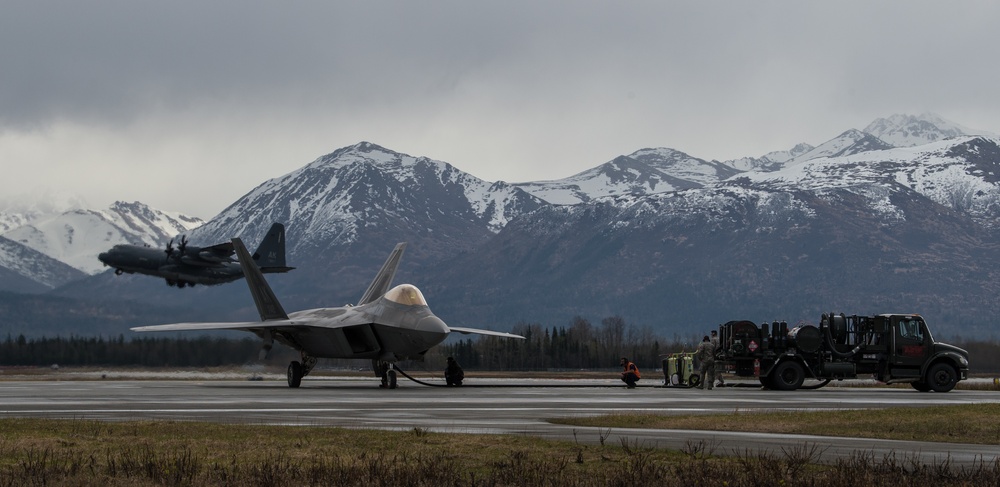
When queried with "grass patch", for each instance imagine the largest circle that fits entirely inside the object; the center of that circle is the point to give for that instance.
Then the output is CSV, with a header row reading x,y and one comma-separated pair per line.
x,y
67,452
967,423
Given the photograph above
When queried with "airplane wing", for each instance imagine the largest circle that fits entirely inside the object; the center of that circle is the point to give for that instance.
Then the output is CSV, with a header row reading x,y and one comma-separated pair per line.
x,y
222,252
477,331
235,325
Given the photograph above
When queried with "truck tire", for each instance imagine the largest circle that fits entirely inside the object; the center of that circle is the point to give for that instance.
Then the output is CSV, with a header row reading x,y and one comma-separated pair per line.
x,y
920,386
941,377
788,376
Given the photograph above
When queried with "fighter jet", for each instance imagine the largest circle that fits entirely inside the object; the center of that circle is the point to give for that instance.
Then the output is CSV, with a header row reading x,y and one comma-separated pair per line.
x,y
187,265
386,326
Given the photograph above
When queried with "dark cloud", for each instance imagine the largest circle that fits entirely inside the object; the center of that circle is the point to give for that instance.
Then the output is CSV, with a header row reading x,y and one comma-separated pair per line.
x,y
505,90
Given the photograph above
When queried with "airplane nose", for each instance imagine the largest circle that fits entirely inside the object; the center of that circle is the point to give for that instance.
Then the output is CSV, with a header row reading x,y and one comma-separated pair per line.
x,y
103,257
432,324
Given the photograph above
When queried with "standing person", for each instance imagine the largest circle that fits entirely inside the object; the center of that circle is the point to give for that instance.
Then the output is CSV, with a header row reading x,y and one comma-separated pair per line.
x,y
630,373
715,343
705,353
453,373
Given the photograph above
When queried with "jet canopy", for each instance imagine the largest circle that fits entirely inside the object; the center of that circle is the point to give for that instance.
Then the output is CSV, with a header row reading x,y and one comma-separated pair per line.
x,y
406,294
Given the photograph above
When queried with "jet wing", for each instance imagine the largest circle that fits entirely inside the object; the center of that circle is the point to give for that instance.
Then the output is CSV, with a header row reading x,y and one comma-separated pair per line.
x,y
286,324
236,325
477,331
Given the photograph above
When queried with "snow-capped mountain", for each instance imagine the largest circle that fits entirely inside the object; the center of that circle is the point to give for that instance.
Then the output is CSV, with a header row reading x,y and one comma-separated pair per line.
x,y
75,237
848,143
770,161
959,173
645,171
331,201
658,236
909,130
26,270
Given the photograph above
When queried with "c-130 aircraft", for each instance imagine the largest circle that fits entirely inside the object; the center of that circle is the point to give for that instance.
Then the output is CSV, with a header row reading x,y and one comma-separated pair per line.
x,y
387,325
187,265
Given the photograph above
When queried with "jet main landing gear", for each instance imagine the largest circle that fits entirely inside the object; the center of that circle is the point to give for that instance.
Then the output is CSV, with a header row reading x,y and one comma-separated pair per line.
x,y
387,371
296,370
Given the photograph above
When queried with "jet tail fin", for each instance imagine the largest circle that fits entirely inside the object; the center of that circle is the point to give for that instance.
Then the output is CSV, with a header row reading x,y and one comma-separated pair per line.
x,y
383,279
270,255
267,303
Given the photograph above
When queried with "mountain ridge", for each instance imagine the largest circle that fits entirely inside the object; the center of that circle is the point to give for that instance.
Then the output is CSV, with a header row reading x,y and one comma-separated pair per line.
x,y
657,236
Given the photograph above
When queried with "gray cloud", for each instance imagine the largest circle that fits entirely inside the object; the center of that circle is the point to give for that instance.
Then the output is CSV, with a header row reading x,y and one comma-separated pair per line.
x,y
225,94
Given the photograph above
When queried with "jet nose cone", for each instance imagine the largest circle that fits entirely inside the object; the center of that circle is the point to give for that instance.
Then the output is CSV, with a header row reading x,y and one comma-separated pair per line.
x,y
432,324
103,257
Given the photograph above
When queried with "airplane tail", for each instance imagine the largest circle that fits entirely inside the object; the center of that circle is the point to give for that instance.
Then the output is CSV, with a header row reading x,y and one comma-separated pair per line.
x,y
267,303
383,279
270,255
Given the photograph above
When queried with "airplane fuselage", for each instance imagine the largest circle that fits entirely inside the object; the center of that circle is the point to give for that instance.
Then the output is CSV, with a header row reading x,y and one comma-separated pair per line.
x,y
133,259
382,330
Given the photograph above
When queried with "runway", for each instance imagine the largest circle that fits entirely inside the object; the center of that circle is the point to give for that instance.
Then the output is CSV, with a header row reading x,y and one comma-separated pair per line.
x,y
498,406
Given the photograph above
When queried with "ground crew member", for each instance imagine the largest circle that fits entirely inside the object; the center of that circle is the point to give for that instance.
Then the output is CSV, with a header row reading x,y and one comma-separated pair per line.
x,y
453,373
715,343
630,373
705,353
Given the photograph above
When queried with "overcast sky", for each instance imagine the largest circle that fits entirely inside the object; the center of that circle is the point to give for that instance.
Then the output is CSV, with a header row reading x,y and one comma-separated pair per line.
x,y
187,106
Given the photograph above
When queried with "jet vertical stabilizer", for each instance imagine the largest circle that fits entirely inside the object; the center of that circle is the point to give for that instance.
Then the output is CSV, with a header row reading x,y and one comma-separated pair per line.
x,y
383,279
270,254
267,303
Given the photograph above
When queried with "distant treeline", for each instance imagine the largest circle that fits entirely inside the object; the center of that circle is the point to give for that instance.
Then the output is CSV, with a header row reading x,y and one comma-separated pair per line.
x,y
581,345
149,352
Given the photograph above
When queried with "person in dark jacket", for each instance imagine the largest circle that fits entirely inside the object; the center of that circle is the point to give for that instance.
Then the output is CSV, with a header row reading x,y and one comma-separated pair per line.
x,y
453,374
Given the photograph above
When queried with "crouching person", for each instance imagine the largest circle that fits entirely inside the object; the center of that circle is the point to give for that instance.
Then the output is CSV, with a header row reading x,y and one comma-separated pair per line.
x,y
630,373
453,374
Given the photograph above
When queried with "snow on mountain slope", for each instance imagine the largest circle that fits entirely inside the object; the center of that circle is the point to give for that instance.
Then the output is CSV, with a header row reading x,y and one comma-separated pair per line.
x,y
33,267
771,161
960,173
850,142
908,130
328,201
75,237
646,171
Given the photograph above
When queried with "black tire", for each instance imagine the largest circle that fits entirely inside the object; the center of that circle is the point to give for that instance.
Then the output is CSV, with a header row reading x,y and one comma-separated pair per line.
x,y
294,374
392,379
788,376
941,377
920,386
694,380
765,381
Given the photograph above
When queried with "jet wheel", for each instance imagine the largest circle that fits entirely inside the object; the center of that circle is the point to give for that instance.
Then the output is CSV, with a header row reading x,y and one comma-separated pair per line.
x,y
294,374
392,379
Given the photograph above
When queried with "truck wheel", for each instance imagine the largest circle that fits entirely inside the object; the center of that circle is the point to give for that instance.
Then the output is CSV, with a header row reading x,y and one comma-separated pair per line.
x,y
942,377
920,386
788,376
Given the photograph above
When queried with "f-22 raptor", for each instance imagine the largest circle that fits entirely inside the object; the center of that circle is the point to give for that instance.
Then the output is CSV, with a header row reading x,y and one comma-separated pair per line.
x,y
387,325
187,265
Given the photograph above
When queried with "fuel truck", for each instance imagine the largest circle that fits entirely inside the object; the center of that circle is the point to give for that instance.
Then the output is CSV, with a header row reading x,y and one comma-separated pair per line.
x,y
891,348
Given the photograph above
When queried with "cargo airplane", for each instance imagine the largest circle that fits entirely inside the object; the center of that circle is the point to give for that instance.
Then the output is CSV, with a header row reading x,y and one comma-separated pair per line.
x,y
387,325
187,265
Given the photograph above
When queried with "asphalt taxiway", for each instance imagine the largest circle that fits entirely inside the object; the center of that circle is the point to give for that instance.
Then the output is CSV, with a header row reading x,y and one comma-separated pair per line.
x,y
495,406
